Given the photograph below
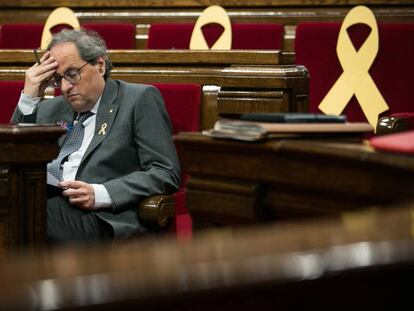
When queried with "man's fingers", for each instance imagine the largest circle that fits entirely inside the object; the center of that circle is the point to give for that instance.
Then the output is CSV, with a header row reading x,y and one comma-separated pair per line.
x,y
71,184
75,192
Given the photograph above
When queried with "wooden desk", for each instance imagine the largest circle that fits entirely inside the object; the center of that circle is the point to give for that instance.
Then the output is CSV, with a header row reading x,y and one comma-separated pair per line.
x,y
360,263
24,152
235,182
234,82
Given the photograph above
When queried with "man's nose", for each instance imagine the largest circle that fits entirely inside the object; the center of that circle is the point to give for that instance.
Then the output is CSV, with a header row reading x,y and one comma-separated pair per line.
x,y
65,85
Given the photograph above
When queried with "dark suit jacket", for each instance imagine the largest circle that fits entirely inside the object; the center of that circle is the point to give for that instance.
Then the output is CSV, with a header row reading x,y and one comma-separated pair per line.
x,y
133,157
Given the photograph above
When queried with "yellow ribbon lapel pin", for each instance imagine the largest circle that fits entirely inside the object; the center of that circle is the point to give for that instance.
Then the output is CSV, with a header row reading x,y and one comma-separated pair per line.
x,y
103,128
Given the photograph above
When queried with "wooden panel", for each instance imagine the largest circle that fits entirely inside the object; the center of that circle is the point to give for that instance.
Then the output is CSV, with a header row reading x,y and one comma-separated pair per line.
x,y
190,3
296,177
24,152
232,102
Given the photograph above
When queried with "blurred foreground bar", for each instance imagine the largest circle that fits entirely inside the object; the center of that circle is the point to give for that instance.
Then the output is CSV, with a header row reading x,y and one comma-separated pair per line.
x,y
362,260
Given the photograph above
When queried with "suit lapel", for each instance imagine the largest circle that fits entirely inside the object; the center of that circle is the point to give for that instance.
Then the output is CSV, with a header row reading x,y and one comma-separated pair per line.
x,y
105,116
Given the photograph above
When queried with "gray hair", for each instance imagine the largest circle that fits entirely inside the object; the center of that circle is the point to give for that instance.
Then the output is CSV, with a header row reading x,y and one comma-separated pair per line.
x,y
89,44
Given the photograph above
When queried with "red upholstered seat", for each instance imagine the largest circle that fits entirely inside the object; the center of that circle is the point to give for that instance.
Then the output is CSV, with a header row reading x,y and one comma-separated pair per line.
x,y
119,36
10,94
20,36
245,36
28,36
315,47
183,103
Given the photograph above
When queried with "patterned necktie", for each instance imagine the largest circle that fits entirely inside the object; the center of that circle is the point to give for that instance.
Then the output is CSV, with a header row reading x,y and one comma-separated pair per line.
x,y
72,143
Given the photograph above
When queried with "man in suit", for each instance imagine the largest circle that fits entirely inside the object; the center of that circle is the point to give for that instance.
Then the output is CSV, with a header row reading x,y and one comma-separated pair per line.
x,y
126,153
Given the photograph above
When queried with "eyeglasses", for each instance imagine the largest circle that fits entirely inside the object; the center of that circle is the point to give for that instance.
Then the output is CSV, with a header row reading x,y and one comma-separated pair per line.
x,y
71,75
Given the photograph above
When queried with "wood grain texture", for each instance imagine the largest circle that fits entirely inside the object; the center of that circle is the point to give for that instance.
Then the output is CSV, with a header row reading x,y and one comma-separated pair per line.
x,y
189,3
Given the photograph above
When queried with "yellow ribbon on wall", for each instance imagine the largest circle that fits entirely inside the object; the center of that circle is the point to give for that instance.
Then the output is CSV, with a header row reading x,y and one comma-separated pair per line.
x,y
356,79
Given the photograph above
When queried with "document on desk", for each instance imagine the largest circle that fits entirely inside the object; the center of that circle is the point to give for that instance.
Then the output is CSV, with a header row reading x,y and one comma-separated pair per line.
x,y
52,180
253,131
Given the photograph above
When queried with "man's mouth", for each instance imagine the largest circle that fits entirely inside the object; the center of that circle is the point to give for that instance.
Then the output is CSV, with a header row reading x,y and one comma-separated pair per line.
x,y
72,95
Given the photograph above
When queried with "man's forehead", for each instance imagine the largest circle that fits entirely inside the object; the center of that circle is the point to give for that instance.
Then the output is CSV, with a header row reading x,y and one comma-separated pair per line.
x,y
65,50
66,55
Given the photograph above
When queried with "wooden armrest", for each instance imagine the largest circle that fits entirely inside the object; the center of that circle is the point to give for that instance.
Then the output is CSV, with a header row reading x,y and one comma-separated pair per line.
x,y
395,123
156,211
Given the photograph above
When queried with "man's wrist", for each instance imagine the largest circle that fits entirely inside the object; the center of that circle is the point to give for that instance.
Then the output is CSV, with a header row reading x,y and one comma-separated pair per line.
x,y
102,197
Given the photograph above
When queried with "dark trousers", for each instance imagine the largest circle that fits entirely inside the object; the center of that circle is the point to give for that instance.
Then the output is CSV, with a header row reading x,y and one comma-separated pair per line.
x,y
67,224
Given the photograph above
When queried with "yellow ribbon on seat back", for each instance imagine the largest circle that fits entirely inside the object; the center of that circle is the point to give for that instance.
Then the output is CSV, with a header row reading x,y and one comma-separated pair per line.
x,y
356,79
213,14
59,16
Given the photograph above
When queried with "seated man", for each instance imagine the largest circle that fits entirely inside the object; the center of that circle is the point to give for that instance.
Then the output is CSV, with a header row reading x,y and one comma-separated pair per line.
x,y
125,151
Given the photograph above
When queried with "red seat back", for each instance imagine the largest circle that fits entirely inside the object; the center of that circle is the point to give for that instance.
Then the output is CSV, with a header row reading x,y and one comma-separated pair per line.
x,y
245,36
10,94
183,104
315,48
20,36
116,35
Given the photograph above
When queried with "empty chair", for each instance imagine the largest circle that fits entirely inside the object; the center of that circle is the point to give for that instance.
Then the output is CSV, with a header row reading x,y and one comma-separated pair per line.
x,y
10,94
315,48
183,104
245,36
28,36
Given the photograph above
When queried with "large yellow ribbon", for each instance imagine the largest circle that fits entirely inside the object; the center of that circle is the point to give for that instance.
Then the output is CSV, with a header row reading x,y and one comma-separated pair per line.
x,y
356,79
59,16
213,14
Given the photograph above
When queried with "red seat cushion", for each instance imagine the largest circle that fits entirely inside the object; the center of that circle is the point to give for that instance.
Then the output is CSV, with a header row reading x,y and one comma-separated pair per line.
x,y
116,35
315,48
10,93
245,36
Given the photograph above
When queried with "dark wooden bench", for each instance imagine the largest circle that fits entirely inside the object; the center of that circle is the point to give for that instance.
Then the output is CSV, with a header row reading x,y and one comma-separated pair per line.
x,y
235,182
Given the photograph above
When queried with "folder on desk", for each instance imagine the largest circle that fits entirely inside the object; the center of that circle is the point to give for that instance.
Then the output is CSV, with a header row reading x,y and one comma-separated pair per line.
x,y
253,131
402,142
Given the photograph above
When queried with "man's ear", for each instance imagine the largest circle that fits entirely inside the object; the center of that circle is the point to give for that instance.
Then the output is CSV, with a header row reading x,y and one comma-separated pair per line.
x,y
101,65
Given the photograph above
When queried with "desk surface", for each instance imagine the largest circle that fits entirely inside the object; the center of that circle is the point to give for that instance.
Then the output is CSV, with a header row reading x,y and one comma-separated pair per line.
x,y
235,182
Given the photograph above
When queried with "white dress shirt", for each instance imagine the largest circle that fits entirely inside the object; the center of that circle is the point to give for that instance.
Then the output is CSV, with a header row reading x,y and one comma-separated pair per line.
x,y
27,105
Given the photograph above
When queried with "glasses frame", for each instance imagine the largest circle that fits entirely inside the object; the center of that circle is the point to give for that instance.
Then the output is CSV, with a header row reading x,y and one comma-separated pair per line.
x,y
55,80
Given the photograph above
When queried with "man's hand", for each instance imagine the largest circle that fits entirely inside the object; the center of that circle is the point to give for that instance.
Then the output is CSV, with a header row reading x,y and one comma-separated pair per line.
x,y
36,76
79,193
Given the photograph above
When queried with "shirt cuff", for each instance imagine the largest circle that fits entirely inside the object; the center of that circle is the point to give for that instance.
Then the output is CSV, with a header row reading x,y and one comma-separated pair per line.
x,y
102,197
27,104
